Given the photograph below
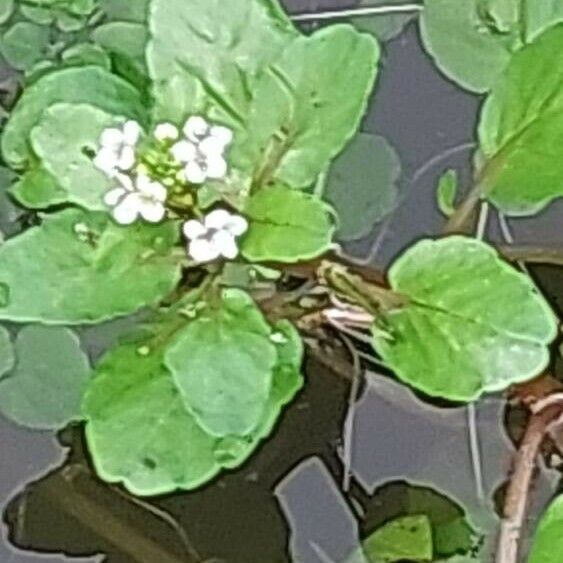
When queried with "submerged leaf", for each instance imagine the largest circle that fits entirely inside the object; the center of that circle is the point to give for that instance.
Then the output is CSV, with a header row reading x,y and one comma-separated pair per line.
x,y
472,323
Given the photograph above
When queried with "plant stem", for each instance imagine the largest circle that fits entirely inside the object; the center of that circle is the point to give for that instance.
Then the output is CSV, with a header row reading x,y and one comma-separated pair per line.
x,y
516,501
459,222
357,12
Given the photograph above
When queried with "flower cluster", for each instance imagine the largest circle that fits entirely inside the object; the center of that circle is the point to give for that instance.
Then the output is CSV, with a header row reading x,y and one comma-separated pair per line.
x,y
199,155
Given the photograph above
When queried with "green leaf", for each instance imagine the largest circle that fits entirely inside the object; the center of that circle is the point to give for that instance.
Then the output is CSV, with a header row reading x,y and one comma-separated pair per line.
x,y
223,363
7,353
6,10
128,39
362,185
25,44
88,85
472,323
126,10
45,389
79,267
38,189
520,129
84,54
140,431
37,14
383,26
472,40
211,60
446,192
286,226
548,540
61,140
409,537
307,105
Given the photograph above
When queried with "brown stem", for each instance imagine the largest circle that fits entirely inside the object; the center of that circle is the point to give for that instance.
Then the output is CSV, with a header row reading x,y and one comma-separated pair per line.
x,y
516,501
532,254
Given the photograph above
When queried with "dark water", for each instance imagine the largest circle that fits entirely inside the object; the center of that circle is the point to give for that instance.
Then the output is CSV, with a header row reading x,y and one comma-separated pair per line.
x,y
287,498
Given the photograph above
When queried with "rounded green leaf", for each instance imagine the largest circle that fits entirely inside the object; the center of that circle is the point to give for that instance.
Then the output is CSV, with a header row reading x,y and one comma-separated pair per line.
x,y
222,362
79,267
62,140
7,353
38,189
520,129
45,389
140,431
84,54
286,226
125,10
89,85
126,38
6,10
362,185
25,44
38,14
472,324
382,26
548,541
472,41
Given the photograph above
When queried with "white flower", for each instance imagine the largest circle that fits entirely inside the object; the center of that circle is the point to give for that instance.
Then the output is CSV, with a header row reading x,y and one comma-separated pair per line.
x,y
166,132
202,150
144,198
215,236
117,151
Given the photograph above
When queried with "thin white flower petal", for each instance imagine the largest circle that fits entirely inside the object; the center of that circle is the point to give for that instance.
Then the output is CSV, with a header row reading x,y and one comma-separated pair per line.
x,y
152,211
126,158
222,134
151,188
237,225
193,229
106,160
216,167
202,250
112,197
217,219
226,244
195,173
166,132
211,147
127,211
111,138
131,132
195,128
184,151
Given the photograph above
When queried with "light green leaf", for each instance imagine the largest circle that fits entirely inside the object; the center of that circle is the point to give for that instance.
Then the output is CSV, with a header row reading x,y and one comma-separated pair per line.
x,y
223,363
211,59
140,432
446,192
409,537
25,44
548,541
362,185
79,267
88,85
286,226
473,324
37,14
7,353
6,10
45,389
472,40
520,129
62,140
128,39
84,54
307,105
38,189
382,26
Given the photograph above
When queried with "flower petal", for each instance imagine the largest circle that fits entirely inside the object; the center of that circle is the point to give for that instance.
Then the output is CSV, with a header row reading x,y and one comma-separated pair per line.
x,y
226,244
127,211
202,250
126,158
237,225
131,132
217,219
111,138
216,167
106,161
193,229
195,173
212,147
195,128
151,188
166,131
222,134
184,151
152,211
112,197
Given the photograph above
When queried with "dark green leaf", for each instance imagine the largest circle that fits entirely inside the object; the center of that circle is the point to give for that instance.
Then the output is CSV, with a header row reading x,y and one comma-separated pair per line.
x,y
25,44
362,185
79,267
223,363
473,324
287,226
45,389
84,54
6,9
7,354
128,39
125,10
